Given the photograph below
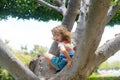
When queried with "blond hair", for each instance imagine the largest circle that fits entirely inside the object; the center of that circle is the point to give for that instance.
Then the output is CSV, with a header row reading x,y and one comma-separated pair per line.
x,y
61,29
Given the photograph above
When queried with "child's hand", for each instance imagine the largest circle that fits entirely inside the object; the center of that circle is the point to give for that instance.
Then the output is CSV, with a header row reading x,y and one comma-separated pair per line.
x,y
69,64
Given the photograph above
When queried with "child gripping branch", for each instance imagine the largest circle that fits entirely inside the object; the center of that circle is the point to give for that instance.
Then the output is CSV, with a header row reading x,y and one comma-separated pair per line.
x,y
63,38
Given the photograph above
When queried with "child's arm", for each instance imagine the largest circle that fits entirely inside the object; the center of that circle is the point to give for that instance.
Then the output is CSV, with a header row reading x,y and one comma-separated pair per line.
x,y
64,51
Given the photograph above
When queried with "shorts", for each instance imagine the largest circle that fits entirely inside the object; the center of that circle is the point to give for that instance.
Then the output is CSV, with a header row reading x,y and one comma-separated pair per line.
x,y
58,63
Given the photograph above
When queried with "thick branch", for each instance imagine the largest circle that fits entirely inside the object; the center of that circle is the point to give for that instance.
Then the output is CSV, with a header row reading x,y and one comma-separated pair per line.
x,y
14,66
112,11
60,9
108,49
71,13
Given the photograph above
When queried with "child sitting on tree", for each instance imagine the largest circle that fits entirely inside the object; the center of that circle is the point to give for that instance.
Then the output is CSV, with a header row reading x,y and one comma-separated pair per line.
x,y
62,36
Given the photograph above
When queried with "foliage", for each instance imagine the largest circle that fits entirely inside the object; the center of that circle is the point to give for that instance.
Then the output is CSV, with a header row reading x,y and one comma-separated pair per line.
x,y
110,65
30,9
38,50
4,75
25,58
27,9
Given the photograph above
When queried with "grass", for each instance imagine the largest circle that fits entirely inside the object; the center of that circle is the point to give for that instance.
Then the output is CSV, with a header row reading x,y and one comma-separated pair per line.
x,y
25,58
102,77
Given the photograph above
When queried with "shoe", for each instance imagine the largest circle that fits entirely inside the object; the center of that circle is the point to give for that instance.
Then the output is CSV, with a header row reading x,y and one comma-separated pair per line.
x,y
57,71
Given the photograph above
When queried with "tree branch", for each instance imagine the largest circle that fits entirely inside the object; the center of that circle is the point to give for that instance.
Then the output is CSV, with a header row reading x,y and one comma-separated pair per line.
x,y
60,9
71,14
112,11
14,66
108,49
63,7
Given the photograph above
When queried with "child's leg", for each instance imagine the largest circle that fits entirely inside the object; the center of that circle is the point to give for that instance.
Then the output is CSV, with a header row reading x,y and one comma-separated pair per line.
x,y
48,57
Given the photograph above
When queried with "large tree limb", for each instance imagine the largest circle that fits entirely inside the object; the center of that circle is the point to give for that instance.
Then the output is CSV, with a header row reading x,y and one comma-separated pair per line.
x,y
14,66
61,9
108,49
112,11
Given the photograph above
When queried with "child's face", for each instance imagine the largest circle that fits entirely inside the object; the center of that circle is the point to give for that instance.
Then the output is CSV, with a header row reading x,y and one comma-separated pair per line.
x,y
57,37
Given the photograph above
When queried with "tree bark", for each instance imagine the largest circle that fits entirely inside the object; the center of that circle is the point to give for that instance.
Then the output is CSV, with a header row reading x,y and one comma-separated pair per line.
x,y
107,50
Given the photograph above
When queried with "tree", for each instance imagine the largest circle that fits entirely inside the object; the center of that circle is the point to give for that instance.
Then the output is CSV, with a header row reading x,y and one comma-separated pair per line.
x,y
38,50
93,16
24,49
27,9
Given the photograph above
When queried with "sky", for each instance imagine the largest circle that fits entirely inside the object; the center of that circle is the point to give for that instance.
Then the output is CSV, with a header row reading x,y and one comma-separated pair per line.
x,y
26,32
30,32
